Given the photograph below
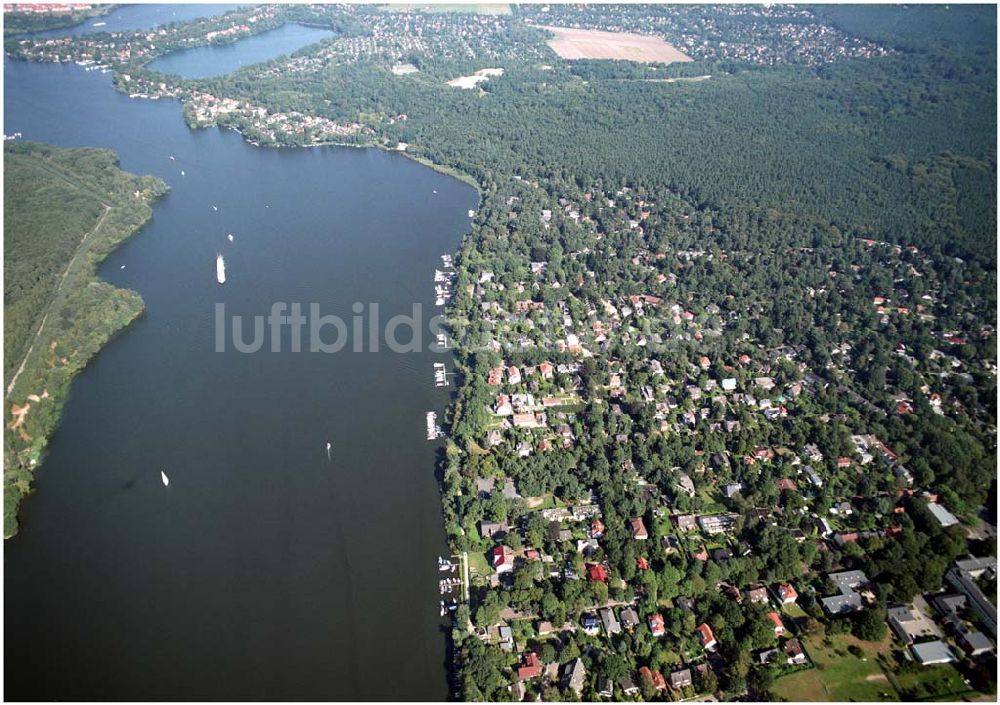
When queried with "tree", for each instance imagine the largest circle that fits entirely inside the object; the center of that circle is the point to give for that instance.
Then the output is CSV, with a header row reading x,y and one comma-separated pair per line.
x,y
869,624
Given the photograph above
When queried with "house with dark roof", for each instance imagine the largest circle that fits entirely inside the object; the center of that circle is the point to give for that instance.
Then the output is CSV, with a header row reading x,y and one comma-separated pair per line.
x,y
628,685
794,654
574,677
848,601
680,679
611,625
930,653
629,618
973,643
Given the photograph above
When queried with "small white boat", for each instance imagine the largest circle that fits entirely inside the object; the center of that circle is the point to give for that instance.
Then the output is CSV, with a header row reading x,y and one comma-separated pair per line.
x,y
122,267
215,208
230,236
435,191
182,172
172,158
100,24
166,480
472,213
220,269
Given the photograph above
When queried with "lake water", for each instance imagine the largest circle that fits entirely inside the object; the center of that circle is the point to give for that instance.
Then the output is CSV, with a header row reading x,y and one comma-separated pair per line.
x,y
202,62
131,17
264,571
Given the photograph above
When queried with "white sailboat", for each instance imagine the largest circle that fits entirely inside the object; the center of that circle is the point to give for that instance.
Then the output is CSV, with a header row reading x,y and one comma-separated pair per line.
x,y
230,236
166,480
220,269
182,172
329,447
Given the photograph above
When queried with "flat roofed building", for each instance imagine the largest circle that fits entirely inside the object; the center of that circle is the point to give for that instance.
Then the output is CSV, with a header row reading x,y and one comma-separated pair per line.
x,y
932,652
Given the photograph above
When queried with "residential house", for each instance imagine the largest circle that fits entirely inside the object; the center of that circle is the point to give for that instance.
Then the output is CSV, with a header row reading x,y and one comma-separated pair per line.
x,y
574,677
717,523
639,532
707,637
629,618
611,625
848,600
910,624
779,627
656,625
491,529
794,654
787,594
757,595
680,679
628,685
530,667
932,652
686,522
597,573
502,559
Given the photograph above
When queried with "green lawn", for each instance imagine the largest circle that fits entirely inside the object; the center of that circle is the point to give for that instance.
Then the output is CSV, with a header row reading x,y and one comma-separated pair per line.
x,y
936,682
838,674
478,564
793,610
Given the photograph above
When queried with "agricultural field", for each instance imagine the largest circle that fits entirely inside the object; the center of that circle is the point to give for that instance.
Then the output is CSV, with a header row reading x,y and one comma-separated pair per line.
x,y
482,8
593,44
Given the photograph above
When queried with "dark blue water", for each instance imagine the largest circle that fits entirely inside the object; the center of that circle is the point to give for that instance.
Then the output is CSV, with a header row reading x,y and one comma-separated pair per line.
x,y
264,571
131,17
206,61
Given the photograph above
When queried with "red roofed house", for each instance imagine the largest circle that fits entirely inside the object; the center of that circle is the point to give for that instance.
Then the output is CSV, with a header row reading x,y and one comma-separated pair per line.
x,y
779,627
786,484
545,369
706,636
656,624
530,667
654,677
843,462
502,559
638,529
513,375
597,573
495,376
787,594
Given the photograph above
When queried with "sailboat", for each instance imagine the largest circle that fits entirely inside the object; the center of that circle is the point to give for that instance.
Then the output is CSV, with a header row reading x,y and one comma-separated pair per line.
x,y
230,236
220,269
215,208
182,172
329,447
166,480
